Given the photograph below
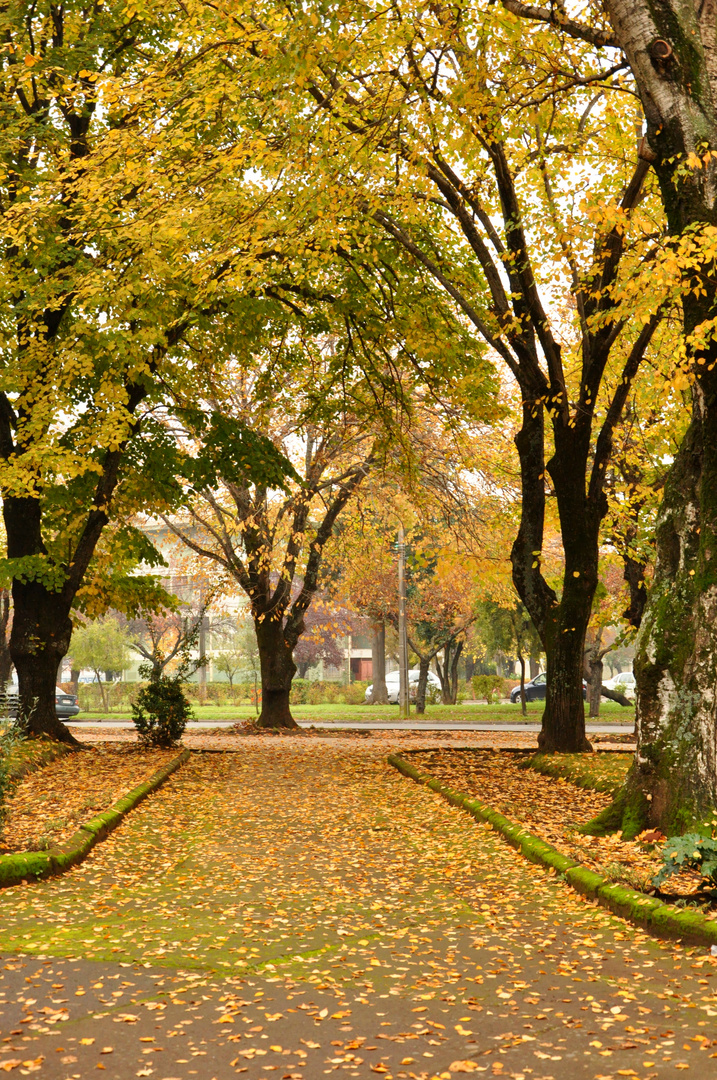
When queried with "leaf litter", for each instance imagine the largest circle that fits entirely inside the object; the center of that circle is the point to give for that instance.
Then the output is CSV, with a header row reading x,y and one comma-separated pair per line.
x,y
50,803
553,808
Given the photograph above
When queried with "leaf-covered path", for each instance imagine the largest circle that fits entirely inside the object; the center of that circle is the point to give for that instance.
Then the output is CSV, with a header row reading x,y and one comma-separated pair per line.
x,y
297,908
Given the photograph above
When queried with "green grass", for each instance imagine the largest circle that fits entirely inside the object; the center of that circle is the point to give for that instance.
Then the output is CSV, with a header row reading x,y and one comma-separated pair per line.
x,y
357,713
30,754
599,772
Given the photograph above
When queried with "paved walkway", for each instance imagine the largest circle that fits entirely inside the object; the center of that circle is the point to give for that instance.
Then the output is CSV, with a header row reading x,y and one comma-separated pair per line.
x,y
297,908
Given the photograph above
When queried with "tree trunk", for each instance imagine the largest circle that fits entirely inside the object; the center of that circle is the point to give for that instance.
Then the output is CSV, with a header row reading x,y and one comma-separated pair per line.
x,y
533,666
423,666
103,693
593,672
594,685
673,782
277,671
39,640
563,722
379,693
75,680
521,661
5,657
454,673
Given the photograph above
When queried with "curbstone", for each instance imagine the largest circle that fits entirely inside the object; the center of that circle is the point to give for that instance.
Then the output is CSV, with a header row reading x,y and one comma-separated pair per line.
x,y
32,865
645,911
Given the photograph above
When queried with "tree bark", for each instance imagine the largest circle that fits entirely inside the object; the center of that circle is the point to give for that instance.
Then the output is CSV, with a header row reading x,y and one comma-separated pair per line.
x,y
593,673
673,782
5,657
39,640
423,666
454,672
521,661
277,671
561,624
379,693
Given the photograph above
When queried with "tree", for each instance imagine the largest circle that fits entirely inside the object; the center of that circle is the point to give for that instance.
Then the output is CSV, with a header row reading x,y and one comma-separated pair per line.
x,y
102,646
669,48
505,626
115,232
167,637
324,623
230,661
499,211
338,404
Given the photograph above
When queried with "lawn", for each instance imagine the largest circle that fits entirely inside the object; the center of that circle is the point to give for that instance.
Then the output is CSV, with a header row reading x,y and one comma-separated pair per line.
x,y
352,714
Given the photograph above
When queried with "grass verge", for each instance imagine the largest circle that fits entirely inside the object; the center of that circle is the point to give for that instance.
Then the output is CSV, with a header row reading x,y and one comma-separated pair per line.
x,y
350,714
645,911
596,772
31,865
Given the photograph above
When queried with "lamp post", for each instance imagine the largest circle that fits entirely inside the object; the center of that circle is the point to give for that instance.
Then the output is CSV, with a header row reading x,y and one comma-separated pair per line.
x,y
404,701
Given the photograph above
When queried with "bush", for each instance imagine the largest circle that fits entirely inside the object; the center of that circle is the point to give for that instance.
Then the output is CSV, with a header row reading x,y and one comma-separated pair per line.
x,y
354,693
161,712
10,736
691,851
300,692
488,688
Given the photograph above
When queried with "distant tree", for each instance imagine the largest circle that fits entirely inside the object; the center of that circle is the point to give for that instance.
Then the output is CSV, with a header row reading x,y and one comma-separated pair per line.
x,y
506,627
324,625
162,638
101,646
230,661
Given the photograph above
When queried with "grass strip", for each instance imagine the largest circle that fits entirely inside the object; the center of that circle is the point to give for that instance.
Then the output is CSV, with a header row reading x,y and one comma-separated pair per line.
x,y
32,755
601,772
633,906
31,865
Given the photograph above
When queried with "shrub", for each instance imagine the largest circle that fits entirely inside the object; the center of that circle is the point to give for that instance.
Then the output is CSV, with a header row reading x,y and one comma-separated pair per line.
x,y
690,851
161,711
10,736
354,693
300,692
488,687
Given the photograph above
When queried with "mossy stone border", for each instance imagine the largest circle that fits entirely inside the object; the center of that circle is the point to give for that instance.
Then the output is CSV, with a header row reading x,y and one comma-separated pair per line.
x,y
636,907
32,865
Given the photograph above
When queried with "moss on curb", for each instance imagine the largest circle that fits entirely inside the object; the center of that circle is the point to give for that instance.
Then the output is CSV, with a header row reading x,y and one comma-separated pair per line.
x,y
32,865
636,907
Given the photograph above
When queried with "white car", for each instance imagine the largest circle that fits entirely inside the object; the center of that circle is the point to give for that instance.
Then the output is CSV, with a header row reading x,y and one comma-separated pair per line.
x,y
624,681
392,685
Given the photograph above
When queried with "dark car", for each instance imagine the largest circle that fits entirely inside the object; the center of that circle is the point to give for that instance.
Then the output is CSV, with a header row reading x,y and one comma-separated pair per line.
x,y
536,689
66,705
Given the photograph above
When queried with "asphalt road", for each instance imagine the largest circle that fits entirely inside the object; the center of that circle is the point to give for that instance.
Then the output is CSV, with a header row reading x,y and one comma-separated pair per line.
x,y
391,725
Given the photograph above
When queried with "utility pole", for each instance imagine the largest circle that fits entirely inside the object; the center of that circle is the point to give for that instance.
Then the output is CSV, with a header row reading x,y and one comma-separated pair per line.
x,y
404,701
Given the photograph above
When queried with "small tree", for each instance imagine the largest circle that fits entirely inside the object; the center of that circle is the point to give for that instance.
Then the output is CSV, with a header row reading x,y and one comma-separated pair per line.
x,y
101,646
161,712
250,651
231,661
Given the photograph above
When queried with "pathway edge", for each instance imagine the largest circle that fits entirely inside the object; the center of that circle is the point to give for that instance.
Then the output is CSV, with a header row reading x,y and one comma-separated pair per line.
x,y
645,911
32,865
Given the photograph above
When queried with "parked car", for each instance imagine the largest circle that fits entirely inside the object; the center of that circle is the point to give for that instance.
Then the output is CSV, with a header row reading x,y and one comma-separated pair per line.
x,y
536,689
624,681
66,705
392,685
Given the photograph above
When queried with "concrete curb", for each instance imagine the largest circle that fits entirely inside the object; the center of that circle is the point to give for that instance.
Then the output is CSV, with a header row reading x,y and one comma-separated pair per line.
x,y
32,865
636,907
